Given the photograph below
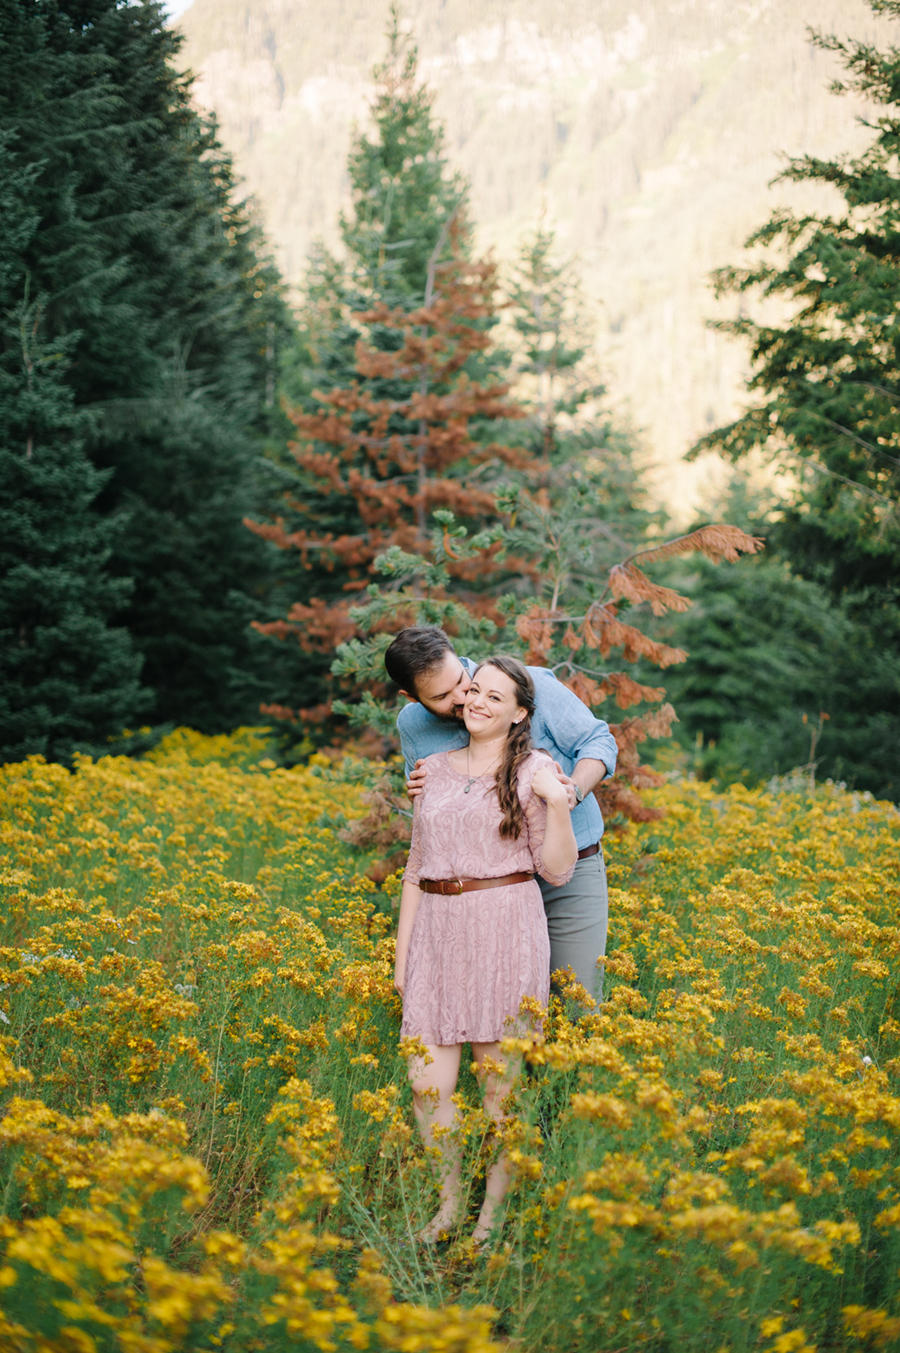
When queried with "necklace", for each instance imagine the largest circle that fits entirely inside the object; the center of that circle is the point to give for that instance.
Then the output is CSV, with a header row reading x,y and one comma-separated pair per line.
x,y
478,774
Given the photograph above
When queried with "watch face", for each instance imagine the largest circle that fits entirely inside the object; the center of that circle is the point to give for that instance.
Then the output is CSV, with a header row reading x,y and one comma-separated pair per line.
x,y
579,794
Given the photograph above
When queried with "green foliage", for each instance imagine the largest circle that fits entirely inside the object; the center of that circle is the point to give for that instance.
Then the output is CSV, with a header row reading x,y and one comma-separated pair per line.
x,y
827,383
404,195
68,680
157,278
550,354
587,512
770,651
588,506
829,378
414,589
406,202
405,198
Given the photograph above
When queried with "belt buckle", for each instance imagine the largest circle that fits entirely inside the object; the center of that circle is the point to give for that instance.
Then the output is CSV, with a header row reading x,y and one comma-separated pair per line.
x,y
457,891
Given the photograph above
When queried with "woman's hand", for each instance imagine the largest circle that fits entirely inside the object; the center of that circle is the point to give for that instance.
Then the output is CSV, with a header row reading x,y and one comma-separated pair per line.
x,y
559,850
399,978
547,785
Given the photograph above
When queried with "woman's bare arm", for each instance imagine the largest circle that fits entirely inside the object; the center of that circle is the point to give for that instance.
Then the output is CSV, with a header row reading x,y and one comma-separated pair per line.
x,y
559,851
409,905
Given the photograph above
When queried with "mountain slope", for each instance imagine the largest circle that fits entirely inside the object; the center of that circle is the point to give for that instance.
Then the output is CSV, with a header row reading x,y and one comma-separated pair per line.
x,y
649,131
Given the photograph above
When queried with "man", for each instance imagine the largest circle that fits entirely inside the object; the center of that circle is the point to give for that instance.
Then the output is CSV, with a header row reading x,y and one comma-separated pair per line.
x,y
425,666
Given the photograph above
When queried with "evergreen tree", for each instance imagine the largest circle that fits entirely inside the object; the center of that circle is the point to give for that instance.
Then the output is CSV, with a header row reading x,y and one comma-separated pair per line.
x,y
404,194
828,382
413,434
769,653
146,260
68,680
549,359
394,445
587,505
405,201
358,483
777,662
830,376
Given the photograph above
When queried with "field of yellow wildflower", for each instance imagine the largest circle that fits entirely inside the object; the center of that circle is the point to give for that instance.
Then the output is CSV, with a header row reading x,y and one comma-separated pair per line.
x,y
206,1133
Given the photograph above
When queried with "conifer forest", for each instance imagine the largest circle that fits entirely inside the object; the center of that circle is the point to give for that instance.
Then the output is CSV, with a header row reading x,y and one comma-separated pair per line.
x,y
222,493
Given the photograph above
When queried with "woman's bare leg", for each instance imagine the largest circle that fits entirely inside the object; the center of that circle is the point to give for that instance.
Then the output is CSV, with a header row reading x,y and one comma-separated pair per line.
x,y
497,1071
433,1086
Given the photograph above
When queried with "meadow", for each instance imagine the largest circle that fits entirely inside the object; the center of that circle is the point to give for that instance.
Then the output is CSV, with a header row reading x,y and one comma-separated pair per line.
x,y
206,1133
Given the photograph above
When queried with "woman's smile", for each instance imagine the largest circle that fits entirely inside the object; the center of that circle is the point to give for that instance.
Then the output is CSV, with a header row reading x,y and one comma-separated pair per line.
x,y
491,706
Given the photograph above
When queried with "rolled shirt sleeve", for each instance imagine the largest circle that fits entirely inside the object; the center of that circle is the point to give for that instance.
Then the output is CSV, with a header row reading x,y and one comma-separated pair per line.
x,y
565,727
568,723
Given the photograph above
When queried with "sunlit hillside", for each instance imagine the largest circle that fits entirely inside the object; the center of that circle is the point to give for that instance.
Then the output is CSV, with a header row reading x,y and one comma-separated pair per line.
x,y
648,131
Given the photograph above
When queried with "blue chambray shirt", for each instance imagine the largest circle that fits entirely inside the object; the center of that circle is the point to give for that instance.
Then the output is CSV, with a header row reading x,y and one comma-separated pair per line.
x,y
561,724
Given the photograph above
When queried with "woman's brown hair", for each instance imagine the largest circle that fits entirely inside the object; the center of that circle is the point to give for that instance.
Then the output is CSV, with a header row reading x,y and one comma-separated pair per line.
x,y
518,744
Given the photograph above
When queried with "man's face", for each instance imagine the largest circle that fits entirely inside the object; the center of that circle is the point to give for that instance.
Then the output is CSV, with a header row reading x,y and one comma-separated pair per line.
x,y
442,689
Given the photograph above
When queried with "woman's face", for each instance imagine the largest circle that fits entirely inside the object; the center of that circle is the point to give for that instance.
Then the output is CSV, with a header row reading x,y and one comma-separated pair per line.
x,y
491,707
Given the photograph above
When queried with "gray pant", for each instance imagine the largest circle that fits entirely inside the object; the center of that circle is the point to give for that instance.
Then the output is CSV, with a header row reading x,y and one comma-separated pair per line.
x,y
577,914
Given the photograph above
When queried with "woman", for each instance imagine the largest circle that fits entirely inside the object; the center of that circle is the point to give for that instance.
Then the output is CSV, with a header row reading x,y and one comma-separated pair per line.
x,y
472,936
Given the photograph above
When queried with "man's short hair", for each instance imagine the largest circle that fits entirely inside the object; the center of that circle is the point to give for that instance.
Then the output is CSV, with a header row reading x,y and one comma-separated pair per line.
x,y
414,652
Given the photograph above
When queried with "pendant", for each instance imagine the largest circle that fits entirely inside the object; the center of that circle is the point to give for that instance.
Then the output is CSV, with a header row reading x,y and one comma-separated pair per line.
x,y
468,787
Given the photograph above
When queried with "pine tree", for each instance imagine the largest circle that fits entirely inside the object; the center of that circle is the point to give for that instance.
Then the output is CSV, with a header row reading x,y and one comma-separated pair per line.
x,y
546,311
770,652
147,262
775,655
405,313
407,468
404,195
587,506
397,444
828,379
68,680
827,409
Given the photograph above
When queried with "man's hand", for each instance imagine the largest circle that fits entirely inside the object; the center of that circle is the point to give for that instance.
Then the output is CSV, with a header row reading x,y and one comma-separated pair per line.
x,y
587,773
568,783
416,782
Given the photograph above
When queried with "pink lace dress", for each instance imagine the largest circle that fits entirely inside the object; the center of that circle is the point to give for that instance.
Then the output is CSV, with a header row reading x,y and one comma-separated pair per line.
x,y
472,957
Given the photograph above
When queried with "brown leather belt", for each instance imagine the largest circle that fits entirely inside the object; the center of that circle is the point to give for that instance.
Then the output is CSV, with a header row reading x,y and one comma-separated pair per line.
x,y
453,887
588,852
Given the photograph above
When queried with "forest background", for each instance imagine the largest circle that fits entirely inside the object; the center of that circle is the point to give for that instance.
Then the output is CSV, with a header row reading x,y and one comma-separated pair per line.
x,y
421,422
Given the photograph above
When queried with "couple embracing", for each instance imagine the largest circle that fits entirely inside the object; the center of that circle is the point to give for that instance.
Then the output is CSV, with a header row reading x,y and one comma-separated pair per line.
x,y
505,880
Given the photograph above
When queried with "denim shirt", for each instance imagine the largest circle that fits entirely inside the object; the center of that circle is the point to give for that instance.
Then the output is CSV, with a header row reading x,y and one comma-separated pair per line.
x,y
561,724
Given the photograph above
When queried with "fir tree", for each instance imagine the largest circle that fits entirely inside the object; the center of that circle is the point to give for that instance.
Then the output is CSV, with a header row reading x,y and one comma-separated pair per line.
x,y
829,378
549,365
404,194
587,506
409,464
827,384
359,483
770,652
396,444
68,680
773,655
145,259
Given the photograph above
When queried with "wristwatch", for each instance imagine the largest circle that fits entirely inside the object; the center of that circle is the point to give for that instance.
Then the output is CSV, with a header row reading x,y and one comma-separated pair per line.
x,y
579,794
